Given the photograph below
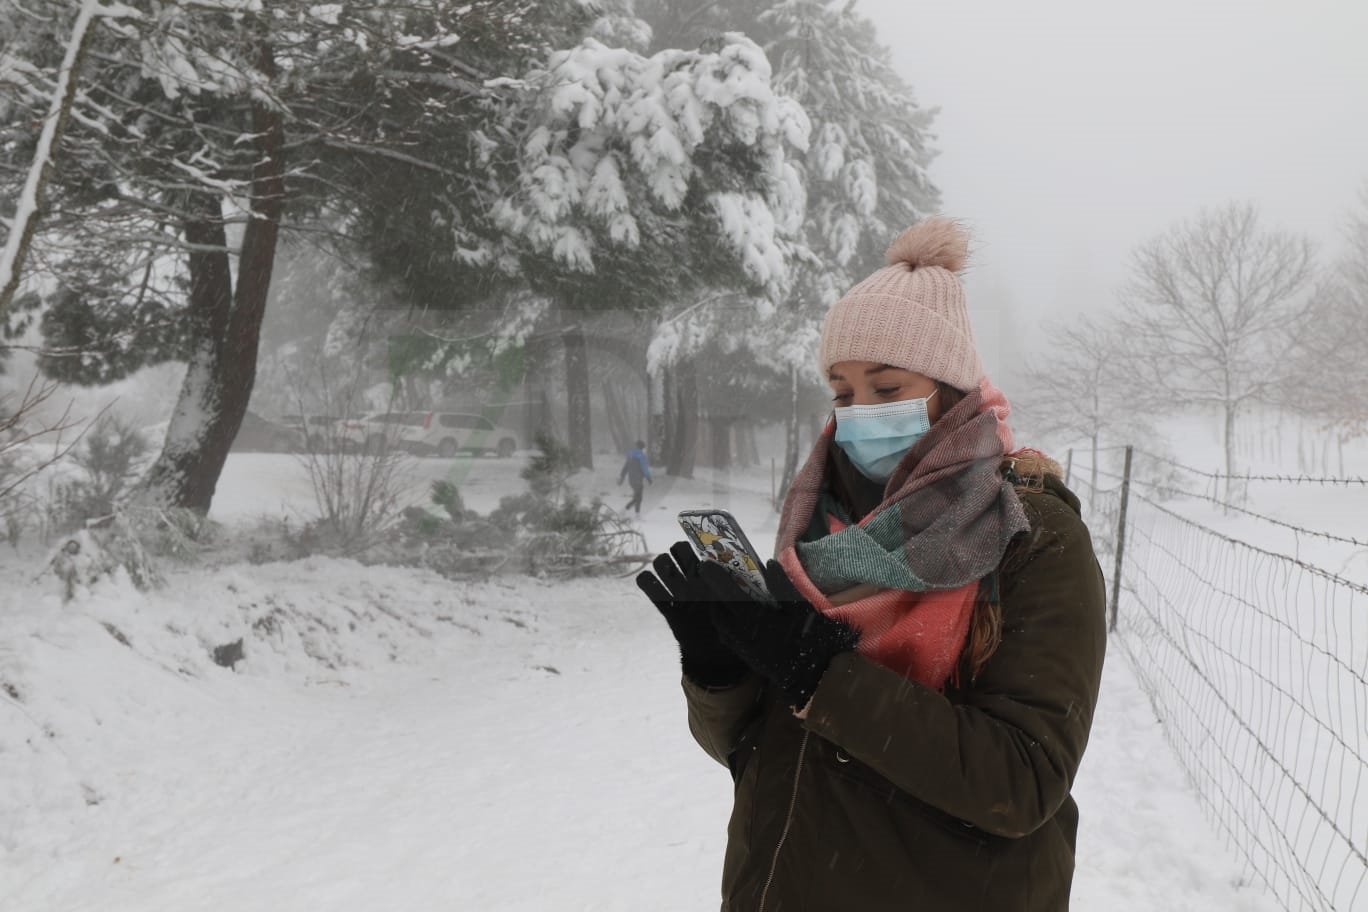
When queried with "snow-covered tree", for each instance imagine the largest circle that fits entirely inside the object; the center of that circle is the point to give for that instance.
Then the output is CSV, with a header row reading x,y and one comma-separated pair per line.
x,y
646,180
15,68
864,173
1212,308
199,128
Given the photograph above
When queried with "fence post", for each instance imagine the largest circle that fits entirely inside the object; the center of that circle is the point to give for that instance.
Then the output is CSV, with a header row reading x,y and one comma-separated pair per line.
x,y
1120,539
1068,467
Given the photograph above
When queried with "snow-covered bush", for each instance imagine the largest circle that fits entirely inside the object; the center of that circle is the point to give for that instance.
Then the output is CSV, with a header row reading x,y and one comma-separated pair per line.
x,y
545,531
557,533
108,459
84,558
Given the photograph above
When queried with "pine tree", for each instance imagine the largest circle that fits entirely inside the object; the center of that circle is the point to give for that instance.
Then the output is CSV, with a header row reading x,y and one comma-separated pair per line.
x,y
198,132
864,173
626,181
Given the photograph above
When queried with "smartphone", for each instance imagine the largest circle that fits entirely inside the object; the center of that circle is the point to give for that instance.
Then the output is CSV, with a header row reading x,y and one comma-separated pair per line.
x,y
717,536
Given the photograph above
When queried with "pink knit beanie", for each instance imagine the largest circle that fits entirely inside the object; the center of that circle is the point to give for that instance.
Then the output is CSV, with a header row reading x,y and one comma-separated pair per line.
x,y
911,313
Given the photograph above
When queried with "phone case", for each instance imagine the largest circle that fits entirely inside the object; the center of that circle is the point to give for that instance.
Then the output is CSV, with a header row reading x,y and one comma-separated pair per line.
x,y
717,536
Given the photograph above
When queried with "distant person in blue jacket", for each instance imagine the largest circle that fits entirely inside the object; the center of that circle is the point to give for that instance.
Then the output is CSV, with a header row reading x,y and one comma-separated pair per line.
x,y
636,471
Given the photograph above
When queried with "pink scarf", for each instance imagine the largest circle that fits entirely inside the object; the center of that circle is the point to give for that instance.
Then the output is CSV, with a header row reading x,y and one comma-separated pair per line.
x,y
945,550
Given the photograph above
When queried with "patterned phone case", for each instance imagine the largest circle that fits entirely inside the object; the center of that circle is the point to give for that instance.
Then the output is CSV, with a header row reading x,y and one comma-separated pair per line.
x,y
717,536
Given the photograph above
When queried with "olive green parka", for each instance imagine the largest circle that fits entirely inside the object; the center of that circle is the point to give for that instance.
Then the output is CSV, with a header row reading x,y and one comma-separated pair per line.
x,y
892,796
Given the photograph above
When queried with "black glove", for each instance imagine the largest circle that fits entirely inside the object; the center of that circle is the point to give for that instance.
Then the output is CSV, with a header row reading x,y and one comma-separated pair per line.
x,y
685,601
787,640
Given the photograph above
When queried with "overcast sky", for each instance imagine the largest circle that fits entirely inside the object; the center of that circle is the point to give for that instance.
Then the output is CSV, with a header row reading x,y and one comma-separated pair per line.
x,y
1072,130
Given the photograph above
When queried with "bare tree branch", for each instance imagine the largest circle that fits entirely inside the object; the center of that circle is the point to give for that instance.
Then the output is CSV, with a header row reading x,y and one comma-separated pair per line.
x,y
18,430
1212,307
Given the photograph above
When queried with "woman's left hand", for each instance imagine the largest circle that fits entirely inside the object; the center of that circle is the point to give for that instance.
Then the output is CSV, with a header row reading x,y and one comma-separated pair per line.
x,y
787,641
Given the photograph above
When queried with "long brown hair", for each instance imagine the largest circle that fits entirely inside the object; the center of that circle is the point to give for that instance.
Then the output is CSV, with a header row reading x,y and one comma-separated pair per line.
x,y
985,624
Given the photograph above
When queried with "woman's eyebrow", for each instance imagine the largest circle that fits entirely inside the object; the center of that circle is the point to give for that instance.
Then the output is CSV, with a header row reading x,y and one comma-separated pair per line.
x,y
832,375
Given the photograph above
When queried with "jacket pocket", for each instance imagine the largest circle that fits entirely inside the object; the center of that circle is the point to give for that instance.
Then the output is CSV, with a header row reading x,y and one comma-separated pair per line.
x,y
842,766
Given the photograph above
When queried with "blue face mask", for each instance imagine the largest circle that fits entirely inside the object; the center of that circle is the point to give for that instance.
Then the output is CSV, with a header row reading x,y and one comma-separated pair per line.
x,y
876,437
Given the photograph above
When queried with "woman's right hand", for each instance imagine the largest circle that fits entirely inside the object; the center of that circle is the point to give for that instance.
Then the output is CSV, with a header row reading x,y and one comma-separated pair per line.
x,y
681,596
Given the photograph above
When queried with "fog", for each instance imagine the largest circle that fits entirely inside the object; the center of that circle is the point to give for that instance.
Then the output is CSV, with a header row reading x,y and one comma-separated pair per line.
x,y
1070,132
365,565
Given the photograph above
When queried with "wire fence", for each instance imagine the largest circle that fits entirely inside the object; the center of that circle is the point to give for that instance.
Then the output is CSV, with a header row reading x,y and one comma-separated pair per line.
x,y
1256,662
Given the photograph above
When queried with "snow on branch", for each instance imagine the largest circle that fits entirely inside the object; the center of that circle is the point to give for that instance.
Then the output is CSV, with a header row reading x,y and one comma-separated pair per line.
x,y
235,189
114,11
222,6
615,132
34,86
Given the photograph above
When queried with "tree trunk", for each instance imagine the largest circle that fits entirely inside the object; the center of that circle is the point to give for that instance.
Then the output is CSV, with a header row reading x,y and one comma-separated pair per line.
x,y
668,409
684,436
656,425
545,422
616,411
721,442
748,450
703,444
541,418
1230,451
578,421
227,326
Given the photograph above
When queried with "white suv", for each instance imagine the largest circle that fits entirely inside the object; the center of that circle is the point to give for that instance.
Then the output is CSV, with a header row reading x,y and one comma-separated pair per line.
x,y
443,433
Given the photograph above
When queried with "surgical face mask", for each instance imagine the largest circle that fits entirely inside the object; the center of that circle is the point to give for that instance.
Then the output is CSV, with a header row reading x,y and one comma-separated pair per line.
x,y
876,437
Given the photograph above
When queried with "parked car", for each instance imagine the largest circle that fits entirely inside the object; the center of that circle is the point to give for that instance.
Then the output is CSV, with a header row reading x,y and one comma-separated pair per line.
x,y
317,433
261,435
426,432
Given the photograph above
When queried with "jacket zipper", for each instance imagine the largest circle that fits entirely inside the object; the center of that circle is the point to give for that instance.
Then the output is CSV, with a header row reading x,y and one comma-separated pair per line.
x,y
788,821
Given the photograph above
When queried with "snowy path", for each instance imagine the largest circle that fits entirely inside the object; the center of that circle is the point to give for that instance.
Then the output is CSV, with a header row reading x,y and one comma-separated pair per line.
x,y
530,755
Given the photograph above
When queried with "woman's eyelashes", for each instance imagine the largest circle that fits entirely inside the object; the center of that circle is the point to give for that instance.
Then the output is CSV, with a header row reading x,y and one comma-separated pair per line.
x,y
885,392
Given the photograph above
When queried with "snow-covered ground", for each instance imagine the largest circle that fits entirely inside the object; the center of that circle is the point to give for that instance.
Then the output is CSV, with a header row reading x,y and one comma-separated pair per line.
x,y
396,740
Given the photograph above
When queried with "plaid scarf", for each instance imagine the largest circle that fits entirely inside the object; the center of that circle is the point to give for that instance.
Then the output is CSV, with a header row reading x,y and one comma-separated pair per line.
x,y
907,574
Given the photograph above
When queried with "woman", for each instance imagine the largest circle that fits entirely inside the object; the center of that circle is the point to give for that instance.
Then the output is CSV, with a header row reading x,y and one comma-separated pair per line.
x,y
904,722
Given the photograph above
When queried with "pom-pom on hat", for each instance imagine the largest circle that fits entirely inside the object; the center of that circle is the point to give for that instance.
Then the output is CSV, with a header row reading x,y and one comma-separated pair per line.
x,y
911,313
